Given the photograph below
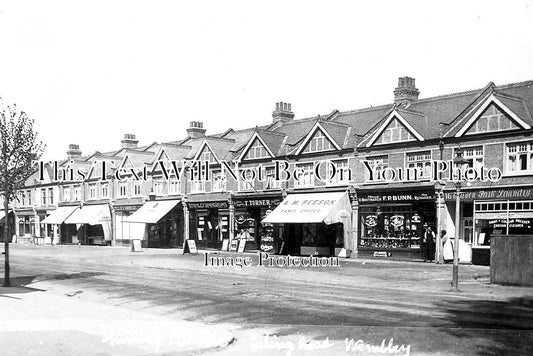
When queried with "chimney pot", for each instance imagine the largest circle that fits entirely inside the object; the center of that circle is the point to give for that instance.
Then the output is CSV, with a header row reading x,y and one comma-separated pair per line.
x,y
196,129
129,141
283,112
73,151
406,92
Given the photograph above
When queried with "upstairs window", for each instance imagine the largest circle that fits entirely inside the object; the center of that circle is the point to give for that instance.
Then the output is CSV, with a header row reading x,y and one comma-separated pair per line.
x,y
44,201
474,156
377,164
219,181
92,191
341,174
519,158
421,161
395,132
271,182
105,190
257,150
492,120
319,142
305,176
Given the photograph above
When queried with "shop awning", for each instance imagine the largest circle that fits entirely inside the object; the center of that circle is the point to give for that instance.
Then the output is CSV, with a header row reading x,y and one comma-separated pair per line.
x,y
59,215
328,208
151,212
90,214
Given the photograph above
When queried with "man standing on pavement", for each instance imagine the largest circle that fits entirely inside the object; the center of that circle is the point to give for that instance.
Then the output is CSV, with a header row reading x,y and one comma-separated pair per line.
x,y
429,244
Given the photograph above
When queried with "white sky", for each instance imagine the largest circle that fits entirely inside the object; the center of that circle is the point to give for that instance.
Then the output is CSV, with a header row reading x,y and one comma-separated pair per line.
x,y
89,72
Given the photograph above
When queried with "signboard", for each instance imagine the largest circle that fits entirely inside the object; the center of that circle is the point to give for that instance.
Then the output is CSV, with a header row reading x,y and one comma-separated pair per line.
x,y
129,208
266,202
208,205
382,254
391,197
135,245
233,245
492,194
242,245
397,220
225,244
190,247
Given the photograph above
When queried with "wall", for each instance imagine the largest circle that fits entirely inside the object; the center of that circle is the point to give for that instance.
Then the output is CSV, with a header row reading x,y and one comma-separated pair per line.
x,y
511,260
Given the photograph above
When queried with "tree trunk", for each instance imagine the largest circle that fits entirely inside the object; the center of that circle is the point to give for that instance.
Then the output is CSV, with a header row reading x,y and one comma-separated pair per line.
x,y
6,242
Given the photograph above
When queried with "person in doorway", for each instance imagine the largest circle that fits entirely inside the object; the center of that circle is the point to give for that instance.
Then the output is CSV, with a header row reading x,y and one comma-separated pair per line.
x,y
429,244
447,248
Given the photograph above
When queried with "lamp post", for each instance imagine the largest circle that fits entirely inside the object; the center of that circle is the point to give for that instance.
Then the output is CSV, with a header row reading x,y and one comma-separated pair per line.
x,y
440,199
460,163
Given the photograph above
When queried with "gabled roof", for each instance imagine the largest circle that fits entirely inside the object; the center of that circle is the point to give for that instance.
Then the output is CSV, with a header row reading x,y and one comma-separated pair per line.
x,y
319,126
410,120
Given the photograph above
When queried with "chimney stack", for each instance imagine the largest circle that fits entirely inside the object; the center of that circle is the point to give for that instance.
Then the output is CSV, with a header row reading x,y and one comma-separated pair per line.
x,y
129,141
406,92
73,151
283,112
196,129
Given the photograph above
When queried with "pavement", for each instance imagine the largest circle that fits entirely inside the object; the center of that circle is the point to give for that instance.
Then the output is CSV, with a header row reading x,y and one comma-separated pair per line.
x,y
92,300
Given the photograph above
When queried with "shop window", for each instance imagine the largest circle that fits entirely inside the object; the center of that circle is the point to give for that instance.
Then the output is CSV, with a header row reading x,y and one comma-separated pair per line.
x,y
343,175
399,226
492,120
105,190
519,158
92,191
319,142
256,150
219,181
395,132
304,175
420,161
271,182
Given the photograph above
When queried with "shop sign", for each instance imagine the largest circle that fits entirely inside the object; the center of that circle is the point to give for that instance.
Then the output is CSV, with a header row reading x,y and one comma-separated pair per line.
x,y
396,197
502,223
371,220
397,220
129,208
257,202
208,205
492,194
382,254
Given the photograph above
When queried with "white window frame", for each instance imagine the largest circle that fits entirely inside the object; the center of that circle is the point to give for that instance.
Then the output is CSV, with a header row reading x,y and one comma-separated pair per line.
x,y
137,188
122,189
420,160
307,175
318,143
378,163
104,189
44,200
51,196
92,191
527,150
77,192
270,183
337,179
257,150
66,194
219,181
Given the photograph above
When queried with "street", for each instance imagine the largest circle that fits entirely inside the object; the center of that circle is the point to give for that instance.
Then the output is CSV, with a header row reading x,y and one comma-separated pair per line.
x,y
360,307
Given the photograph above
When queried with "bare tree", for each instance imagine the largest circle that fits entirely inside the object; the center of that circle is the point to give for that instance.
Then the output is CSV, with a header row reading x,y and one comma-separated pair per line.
x,y
19,150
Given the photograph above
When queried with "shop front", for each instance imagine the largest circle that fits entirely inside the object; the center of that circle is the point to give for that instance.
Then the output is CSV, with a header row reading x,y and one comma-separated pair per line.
x,y
88,225
122,228
157,223
313,223
25,224
392,223
493,211
249,212
209,219
53,223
